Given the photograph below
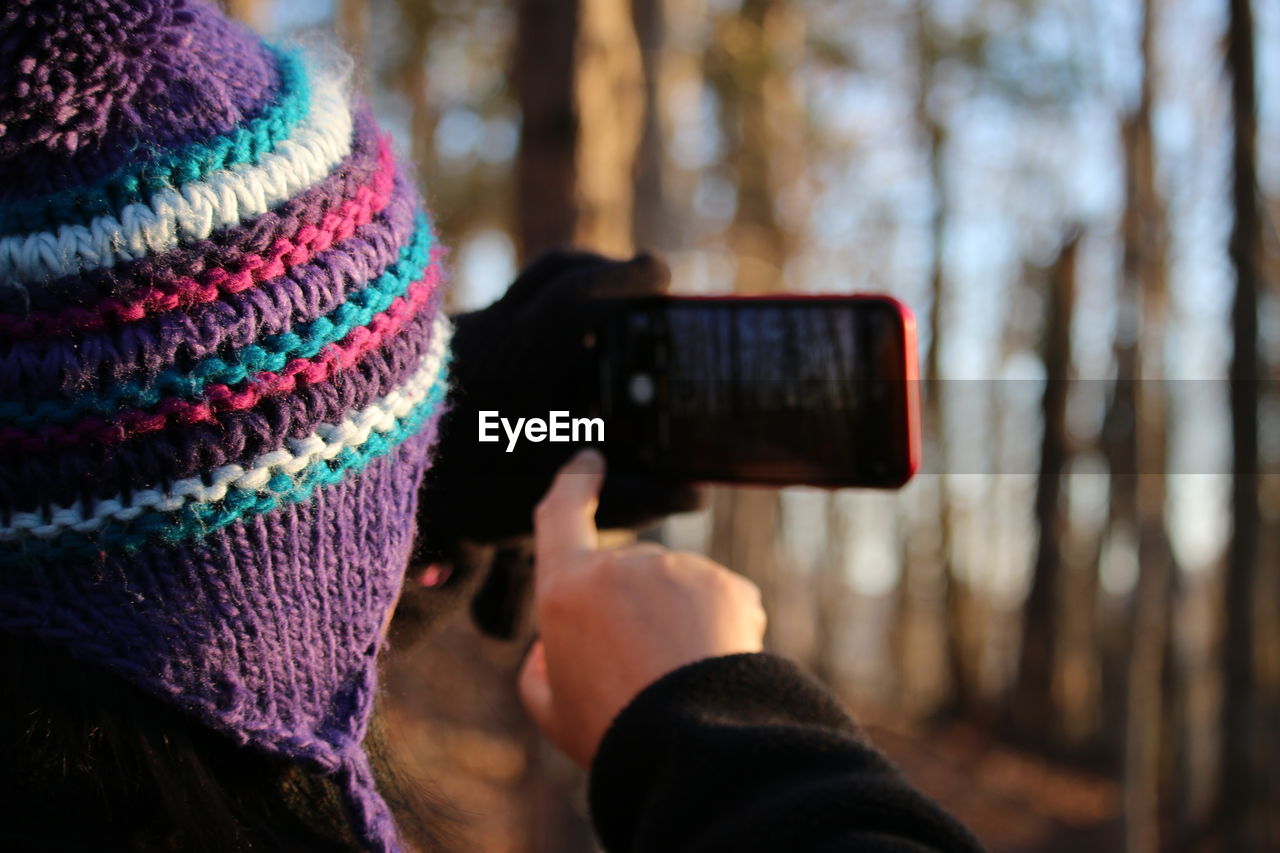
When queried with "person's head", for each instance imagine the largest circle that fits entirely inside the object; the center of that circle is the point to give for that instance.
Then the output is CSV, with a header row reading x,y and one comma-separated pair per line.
x,y
222,361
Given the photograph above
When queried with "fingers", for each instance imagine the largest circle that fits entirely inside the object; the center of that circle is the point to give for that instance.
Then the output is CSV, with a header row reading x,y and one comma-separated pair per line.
x,y
564,522
535,688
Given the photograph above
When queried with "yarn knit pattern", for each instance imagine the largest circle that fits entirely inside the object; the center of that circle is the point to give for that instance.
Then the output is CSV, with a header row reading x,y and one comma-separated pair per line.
x,y
222,364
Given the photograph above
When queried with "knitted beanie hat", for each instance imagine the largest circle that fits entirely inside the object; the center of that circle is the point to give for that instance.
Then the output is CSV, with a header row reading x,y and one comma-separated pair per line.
x,y
222,361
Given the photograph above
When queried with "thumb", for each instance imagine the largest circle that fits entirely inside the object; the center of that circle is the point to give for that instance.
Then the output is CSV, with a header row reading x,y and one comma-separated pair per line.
x,y
535,689
564,522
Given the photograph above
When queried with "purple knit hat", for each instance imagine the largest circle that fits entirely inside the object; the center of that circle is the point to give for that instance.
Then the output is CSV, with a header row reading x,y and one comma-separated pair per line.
x,y
222,362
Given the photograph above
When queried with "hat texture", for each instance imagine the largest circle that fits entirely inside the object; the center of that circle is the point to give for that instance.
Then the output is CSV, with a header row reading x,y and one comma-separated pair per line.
x,y
222,363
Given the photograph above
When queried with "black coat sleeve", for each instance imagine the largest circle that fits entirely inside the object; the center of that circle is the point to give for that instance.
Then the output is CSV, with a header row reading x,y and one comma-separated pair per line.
x,y
748,753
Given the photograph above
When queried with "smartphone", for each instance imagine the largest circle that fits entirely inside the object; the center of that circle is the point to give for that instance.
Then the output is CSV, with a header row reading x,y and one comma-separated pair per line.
x,y
777,390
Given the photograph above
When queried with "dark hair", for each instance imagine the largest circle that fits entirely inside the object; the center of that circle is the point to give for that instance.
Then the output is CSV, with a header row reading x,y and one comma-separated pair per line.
x,y
92,763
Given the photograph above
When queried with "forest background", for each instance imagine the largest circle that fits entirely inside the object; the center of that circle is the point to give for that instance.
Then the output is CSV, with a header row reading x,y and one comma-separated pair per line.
x,y
1066,628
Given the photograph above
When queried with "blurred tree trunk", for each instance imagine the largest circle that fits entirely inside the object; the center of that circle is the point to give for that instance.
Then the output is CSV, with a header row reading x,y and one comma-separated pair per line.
x,y
1267,641
1145,239
1242,810
419,18
681,67
829,594
899,632
352,26
1035,712
959,700
252,12
749,65
609,92
1120,446
579,82
546,171
744,538
651,224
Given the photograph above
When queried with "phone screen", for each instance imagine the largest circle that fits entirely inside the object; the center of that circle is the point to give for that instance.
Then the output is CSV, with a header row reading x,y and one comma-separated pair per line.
x,y
776,390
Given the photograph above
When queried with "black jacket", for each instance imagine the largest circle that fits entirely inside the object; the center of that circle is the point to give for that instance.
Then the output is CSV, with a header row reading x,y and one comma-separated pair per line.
x,y
747,753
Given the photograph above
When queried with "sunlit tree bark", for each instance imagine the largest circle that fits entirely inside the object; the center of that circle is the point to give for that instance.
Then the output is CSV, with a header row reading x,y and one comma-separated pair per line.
x,y
352,26
252,12
580,85
609,94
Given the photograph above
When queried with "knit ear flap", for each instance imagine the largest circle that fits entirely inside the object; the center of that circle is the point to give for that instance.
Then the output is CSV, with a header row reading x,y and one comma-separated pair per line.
x,y
370,816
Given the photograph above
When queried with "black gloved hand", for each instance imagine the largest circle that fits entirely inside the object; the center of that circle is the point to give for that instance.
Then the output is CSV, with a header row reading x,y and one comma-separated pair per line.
x,y
524,357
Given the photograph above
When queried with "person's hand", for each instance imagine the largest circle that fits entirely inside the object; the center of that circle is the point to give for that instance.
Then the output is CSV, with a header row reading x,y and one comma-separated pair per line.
x,y
612,622
522,356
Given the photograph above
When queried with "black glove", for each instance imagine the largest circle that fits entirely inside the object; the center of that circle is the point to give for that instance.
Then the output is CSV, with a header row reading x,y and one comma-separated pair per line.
x,y
523,357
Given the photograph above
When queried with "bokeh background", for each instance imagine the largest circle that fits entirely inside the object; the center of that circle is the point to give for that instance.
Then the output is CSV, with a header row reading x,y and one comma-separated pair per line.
x,y
1066,628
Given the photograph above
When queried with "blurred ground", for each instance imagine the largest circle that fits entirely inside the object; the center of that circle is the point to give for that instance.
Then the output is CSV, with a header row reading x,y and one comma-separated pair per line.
x,y
1013,802
453,711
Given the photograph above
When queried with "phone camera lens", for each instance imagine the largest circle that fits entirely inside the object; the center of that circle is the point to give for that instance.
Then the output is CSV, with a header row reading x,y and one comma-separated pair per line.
x,y
641,389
